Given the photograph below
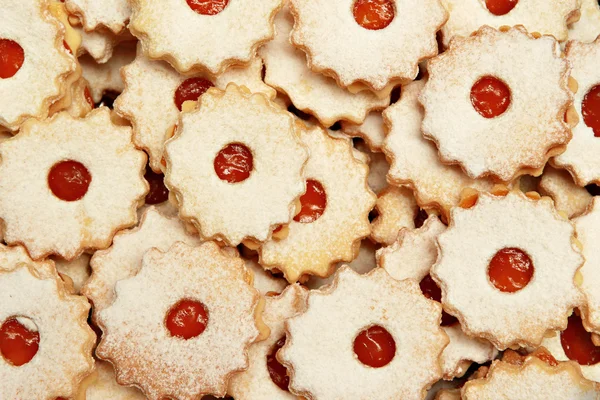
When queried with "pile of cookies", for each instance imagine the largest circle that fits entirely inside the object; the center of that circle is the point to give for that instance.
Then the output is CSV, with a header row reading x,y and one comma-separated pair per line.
x,y
299,199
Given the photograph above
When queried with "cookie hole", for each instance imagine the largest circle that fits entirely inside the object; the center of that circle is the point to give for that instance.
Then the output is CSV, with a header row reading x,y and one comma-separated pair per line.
x,y
190,90
313,202
19,340
336,126
234,163
373,215
375,347
12,57
69,180
490,97
510,270
577,343
207,7
158,191
373,14
187,319
590,109
433,292
88,97
500,7
593,189
278,372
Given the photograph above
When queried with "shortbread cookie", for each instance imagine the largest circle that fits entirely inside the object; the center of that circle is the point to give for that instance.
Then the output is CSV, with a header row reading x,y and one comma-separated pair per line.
x,y
588,235
311,92
411,257
105,386
396,209
587,29
414,160
521,272
235,166
107,77
579,158
265,377
264,281
575,343
531,381
217,33
385,344
503,121
193,308
372,130
45,342
547,18
124,258
362,264
567,196
334,212
34,63
85,184
111,14
382,41
154,94
77,271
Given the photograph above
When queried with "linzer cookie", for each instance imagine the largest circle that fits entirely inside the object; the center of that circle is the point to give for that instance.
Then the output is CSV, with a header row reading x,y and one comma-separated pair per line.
x,y
579,158
587,29
111,14
396,209
503,121
588,235
521,272
218,33
189,307
107,77
411,257
532,380
414,160
567,196
154,95
383,41
547,18
309,91
85,184
372,130
45,342
576,344
34,63
124,258
235,166
265,377
385,344
334,212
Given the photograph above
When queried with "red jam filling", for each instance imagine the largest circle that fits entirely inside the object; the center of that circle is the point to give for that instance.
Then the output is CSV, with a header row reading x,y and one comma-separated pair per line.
x,y
510,270
432,291
577,343
500,7
207,7
187,319
18,345
234,163
69,180
373,14
12,57
277,372
375,346
313,202
190,90
590,109
490,97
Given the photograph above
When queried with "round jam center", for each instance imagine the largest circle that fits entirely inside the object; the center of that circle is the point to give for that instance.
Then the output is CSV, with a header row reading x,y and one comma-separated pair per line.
x,y
277,372
187,319
500,7
18,345
375,346
207,7
234,163
158,191
11,58
490,97
313,202
510,270
69,180
190,90
577,343
432,291
590,108
373,14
